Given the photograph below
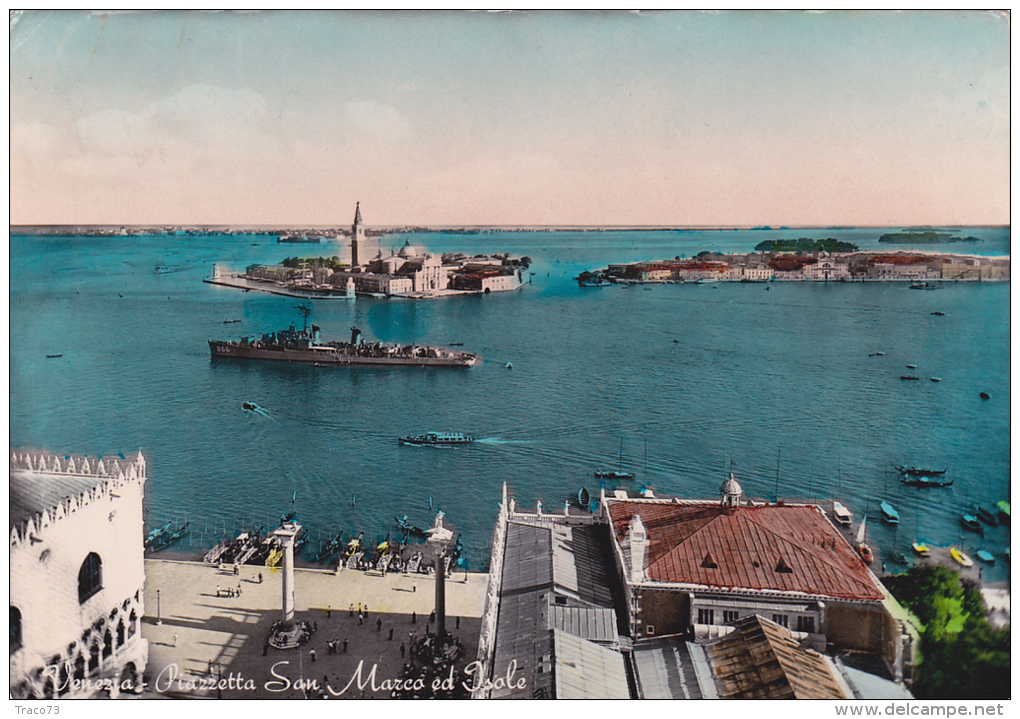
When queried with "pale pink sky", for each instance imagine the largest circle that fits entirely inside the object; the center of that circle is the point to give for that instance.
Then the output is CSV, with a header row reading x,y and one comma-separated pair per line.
x,y
677,118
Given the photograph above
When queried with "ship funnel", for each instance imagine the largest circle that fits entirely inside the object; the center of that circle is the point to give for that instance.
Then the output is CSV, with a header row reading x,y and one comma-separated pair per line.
x,y
355,336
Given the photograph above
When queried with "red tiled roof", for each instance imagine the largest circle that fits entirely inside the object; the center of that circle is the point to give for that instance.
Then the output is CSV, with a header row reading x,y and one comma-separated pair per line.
x,y
746,545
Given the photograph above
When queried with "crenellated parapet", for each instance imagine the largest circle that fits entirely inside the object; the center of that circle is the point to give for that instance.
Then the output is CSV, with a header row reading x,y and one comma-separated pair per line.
x,y
84,481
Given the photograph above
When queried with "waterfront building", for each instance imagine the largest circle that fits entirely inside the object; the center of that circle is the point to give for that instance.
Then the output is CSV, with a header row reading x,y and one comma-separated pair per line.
x,y
76,575
695,567
699,589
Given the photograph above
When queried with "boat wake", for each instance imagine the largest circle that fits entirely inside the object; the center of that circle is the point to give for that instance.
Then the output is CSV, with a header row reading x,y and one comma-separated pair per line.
x,y
255,409
496,440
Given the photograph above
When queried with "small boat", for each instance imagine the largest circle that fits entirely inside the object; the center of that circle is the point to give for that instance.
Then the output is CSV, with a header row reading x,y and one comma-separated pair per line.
x,y
862,546
911,366
583,498
54,356
935,379
601,474
919,472
987,517
436,439
984,395
1003,506
250,407
877,354
925,286
916,481
230,322
456,344
889,513
897,557
969,521
841,514
939,314
921,549
908,376
960,557
865,551
985,556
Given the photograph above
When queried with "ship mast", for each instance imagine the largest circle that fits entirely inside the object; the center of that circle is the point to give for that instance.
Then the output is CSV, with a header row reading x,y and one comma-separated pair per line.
x,y
305,310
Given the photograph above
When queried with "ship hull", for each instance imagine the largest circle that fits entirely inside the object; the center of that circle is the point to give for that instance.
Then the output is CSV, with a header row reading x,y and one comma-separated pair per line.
x,y
328,356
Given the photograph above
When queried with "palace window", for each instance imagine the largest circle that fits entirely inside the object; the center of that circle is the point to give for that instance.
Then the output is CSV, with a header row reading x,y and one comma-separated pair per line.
x,y
706,616
781,619
806,624
728,617
15,629
90,577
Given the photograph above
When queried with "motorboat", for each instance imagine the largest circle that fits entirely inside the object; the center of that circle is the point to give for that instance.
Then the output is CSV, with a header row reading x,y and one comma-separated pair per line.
x,y
960,557
601,474
1003,506
437,439
841,514
921,549
908,376
889,513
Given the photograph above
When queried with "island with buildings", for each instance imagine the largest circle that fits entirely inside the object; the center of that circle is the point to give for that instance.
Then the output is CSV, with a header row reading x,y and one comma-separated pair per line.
x,y
362,268
770,265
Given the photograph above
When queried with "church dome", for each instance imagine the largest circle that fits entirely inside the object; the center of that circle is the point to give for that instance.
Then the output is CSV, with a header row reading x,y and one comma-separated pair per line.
x,y
731,490
407,252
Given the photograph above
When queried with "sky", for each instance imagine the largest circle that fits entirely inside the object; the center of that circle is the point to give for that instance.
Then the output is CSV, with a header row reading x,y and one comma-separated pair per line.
x,y
480,118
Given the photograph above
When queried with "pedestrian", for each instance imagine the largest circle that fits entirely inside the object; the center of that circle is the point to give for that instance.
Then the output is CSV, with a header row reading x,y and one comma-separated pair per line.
x,y
414,618
217,590
312,655
391,635
366,610
315,625
378,625
175,639
458,622
329,611
361,618
432,616
359,607
238,590
345,645
260,577
237,570
351,611
414,587
402,650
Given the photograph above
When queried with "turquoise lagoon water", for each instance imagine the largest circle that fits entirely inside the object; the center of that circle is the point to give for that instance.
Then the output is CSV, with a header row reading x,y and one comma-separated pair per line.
x,y
691,380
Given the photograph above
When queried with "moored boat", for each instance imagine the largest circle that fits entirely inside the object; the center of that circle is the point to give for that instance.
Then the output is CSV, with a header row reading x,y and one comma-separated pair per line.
x,y
921,549
987,517
1003,506
889,513
908,376
602,474
985,556
841,514
436,439
969,521
960,557
919,481
918,471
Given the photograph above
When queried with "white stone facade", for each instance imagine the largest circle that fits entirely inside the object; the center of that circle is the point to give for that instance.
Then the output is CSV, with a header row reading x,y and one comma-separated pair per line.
x,y
76,575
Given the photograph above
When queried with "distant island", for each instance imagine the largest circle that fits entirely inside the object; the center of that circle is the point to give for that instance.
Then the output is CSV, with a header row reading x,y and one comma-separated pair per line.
x,y
806,244
927,237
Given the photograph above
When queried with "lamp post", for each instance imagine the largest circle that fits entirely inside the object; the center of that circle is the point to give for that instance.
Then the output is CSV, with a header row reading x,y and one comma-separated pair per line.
x,y
159,619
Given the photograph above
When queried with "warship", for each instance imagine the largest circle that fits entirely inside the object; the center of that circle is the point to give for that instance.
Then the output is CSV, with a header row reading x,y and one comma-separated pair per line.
x,y
303,345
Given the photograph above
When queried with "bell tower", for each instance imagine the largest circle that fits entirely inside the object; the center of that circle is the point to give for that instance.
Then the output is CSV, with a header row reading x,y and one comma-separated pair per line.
x,y
361,252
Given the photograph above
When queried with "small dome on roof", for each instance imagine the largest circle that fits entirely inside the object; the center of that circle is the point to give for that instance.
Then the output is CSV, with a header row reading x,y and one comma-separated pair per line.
x,y
731,485
407,251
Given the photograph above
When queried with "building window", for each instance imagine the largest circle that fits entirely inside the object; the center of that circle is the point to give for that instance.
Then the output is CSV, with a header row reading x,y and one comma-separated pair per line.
x,y
728,617
781,619
706,616
15,629
806,624
90,577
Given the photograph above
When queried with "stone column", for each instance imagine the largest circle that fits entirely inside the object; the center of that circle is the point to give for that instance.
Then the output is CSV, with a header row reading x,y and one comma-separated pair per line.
x,y
441,593
286,534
